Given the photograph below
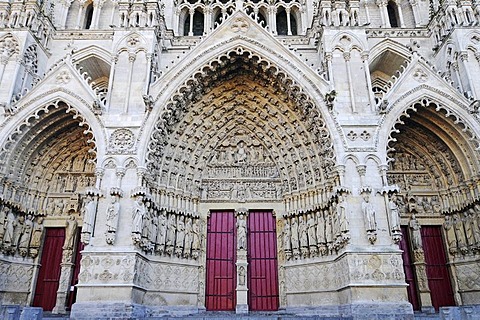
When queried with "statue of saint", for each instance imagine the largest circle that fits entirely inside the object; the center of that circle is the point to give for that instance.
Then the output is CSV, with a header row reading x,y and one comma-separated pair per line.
x,y
394,213
70,232
138,213
369,214
241,232
113,210
416,235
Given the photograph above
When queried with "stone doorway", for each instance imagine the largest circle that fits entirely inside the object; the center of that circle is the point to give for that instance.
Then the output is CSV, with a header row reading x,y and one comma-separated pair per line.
x,y
241,261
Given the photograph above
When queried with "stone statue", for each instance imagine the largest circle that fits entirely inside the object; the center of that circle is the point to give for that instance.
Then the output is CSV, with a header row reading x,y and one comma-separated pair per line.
x,y
369,218
17,231
113,210
3,221
37,233
342,214
450,231
467,222
416,235
369,214
241,276
162,231
474,220
10,225
180,236
88,215
302,232
188,237
394,213
195,239
311,230
138,214
70,232
320,228
171,228
459,233
58,209
241,232
241,153
287,233
24,241
294,228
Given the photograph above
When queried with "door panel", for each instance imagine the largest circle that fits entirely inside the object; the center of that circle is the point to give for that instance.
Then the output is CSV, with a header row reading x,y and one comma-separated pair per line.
x,y
221,274
438,275
262,262
408,269
49,273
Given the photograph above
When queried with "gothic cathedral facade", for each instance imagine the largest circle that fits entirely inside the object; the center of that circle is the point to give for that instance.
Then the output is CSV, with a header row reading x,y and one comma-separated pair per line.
x,y
304,157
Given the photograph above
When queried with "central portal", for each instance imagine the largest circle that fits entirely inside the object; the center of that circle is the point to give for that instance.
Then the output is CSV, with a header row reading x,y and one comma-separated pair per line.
x,y
227,279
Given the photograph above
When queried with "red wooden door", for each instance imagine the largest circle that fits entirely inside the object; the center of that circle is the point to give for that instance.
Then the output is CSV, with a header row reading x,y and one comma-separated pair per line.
x,y
221,273
49,273
76,271
408,269
438,275
262,262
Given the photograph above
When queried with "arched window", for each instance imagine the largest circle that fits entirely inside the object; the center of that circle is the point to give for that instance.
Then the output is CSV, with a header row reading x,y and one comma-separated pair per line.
x,y
282,23
282,28
88,16
198,24
392,10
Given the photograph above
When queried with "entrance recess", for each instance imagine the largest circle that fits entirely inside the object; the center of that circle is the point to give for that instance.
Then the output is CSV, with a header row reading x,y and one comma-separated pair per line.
x,y
49,273
262,262
221,248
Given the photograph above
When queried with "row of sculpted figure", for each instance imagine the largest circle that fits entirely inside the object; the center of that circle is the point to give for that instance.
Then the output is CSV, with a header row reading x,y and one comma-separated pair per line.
x,y
317,232
20,233
165,233
463,231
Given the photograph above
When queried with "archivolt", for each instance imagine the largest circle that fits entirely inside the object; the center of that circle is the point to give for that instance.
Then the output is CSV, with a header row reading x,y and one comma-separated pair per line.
x,y
443,143
54,115
241,89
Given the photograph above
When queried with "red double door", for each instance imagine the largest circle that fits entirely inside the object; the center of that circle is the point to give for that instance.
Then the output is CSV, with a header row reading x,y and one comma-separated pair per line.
x,y
49,273
438,276
262,273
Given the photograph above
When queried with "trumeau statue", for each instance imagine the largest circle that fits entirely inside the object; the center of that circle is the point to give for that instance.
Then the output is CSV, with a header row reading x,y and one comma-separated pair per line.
x,y
241,232
70,232
416,234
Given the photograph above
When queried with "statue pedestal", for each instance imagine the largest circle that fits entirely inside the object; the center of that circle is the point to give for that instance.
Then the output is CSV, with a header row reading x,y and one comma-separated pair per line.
x,y
242,290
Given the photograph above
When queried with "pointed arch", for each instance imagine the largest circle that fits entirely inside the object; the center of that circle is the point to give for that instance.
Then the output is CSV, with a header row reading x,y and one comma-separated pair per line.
x,y
191,134
434,142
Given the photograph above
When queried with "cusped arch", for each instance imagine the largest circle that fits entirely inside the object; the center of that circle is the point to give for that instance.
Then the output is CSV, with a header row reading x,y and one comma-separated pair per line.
x,y
27,111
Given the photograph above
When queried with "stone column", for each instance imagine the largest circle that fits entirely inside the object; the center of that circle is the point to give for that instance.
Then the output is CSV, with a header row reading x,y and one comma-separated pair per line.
x,y
420,266
242,289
